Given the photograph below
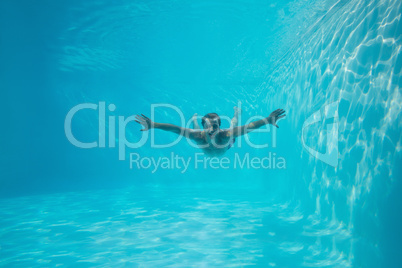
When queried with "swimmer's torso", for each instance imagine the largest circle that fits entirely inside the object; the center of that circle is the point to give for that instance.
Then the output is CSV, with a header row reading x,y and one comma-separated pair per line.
x,y
218,146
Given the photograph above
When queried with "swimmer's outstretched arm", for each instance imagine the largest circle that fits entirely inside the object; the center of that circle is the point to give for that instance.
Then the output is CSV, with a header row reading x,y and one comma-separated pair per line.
x,y
186,132
271,119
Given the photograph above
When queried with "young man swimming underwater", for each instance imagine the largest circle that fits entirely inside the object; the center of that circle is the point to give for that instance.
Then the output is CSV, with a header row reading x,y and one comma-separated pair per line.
x,y
213,140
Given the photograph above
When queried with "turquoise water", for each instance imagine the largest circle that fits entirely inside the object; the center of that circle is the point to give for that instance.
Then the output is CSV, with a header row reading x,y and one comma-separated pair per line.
x,y
334,66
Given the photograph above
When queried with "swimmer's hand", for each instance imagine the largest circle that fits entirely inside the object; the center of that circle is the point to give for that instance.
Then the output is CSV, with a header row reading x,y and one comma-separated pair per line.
x,y
275,116
144,121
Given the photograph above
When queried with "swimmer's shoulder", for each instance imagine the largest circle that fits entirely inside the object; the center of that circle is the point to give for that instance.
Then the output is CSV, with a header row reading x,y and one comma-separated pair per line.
x,y
225,133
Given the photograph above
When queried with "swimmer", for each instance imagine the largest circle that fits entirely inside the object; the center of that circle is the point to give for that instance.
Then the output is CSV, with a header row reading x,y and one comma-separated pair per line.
x,y
213,140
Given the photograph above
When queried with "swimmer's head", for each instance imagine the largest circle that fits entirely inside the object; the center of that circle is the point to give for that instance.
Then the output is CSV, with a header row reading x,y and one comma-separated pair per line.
x,y
211,122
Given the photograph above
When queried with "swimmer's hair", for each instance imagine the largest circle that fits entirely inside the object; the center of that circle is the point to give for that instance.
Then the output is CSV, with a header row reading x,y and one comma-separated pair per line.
x,y
211,116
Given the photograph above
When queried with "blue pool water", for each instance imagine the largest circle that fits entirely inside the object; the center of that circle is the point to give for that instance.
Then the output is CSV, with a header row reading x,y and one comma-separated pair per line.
x,y
334,66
